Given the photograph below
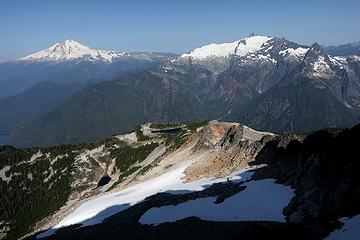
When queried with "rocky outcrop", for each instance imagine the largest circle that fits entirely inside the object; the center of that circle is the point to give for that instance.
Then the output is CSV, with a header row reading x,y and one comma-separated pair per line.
x,y
231,147
210,135
233,136
323,170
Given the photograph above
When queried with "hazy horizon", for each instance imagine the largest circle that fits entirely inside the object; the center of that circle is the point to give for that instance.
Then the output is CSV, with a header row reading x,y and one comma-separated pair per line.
x,y
178,27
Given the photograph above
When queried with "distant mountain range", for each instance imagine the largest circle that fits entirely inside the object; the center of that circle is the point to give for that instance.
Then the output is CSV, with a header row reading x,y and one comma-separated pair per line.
x,y
344,50
269,83
70,62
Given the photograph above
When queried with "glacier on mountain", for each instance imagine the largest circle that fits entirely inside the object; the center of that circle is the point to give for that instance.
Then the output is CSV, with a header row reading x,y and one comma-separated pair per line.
x,y
239,48
71,50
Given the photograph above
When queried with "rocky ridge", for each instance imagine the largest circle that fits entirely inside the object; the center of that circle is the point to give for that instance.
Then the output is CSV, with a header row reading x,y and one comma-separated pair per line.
x,y
321,167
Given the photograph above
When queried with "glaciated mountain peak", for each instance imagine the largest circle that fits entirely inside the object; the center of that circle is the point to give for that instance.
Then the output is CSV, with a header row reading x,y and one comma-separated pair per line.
x,y
318,62
241,47
71,50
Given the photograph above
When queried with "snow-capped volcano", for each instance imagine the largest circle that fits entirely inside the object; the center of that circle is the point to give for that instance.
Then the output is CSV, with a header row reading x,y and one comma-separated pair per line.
x,y
72,50
241,47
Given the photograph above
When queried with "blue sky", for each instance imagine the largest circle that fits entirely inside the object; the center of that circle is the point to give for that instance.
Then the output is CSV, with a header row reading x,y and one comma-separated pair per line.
x,y
27,26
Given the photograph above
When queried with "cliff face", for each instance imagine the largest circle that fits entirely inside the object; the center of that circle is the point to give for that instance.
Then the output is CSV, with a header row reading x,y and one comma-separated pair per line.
x,y
323,169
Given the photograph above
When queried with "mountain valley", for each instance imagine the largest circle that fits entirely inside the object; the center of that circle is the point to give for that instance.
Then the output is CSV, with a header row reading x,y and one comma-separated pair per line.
x,y
268,83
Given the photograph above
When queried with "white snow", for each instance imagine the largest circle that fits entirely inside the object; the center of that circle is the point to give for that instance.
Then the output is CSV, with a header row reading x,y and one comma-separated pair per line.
x,y
35,156
99,208
70,50
51,174
30,176
321,68
52,162
4,228
354,58
3,174
291,52
212,50
338,59
241,48
261,200
251,44
261,57
350,230
111,167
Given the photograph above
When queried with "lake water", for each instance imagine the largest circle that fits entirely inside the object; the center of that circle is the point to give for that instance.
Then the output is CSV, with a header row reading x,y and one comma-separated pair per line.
x,y
168,131
3,138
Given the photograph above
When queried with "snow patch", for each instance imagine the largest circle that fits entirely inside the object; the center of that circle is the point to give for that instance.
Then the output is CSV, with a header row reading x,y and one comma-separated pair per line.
x,y
291,52
247,205
99,208
251,44
3,174
52,162
30,176
321,68
350,230
35,156
111,167
263,58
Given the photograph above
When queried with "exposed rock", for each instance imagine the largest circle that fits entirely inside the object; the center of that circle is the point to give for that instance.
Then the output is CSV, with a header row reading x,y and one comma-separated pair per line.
x,y
323,169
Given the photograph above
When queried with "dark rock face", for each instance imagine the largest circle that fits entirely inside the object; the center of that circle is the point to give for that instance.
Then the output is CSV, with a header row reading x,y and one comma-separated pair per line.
x,y
305,99
297,104
103,181
323,169
232,137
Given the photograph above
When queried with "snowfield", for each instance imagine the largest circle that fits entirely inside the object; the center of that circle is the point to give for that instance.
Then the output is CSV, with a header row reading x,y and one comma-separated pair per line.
x,y
99,208
321,68
350,230
240,48
261,200
291,52
70,50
